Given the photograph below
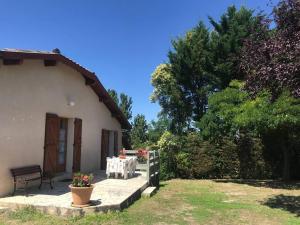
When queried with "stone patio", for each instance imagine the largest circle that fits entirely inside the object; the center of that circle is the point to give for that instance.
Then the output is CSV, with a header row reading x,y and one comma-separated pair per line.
x,y
108,195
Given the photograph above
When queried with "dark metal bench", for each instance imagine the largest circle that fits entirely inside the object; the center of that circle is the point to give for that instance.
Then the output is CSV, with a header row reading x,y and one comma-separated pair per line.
x,y
36,173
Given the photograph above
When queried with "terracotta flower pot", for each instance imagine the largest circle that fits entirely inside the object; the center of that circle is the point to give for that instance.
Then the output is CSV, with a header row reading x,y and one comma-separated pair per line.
x,y
81,195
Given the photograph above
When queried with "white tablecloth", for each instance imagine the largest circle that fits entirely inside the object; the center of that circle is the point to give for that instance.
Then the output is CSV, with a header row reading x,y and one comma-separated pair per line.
x,y
116,166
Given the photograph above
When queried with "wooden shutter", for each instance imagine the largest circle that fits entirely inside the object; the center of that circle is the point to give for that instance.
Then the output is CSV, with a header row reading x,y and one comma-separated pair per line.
x,y
116,147
104,148
51,143
77,145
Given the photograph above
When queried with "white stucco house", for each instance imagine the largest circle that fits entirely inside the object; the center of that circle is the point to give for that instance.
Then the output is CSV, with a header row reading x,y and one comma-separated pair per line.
x,y
54,113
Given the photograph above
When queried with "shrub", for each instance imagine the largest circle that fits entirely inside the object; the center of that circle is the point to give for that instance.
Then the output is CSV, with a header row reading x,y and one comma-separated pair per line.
x,y
184,164
168,148
202,163
190,156
251,156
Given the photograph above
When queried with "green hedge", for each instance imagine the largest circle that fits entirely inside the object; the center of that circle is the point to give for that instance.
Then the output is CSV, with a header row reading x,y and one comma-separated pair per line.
x,y
190,157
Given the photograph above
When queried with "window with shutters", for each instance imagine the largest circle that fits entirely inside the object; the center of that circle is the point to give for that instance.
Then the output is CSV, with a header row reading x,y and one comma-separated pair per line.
x,y
55,152
62,142
109,146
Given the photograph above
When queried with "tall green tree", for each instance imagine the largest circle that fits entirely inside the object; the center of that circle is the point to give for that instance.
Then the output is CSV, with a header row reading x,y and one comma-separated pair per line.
x,y
126,105
280,117
139,135
157,128
170,97
227,40
113,93
123,101
199,64
223,107
180,86
233,114
191,67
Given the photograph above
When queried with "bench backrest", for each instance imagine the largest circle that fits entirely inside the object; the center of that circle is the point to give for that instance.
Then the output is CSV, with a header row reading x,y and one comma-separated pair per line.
x,y
25,170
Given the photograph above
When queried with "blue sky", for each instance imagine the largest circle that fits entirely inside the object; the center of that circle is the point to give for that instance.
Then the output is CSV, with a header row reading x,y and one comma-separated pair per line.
x,y
121,41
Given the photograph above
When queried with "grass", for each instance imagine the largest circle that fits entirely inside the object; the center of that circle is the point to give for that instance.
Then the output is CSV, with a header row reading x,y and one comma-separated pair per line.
x,y
190,202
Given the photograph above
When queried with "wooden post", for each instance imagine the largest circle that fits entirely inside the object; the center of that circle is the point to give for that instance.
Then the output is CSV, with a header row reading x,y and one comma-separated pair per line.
x,y
158,169
148,167
154,168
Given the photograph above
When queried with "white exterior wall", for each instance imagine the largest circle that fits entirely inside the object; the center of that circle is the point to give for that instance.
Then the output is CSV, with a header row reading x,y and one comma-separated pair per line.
x,y
30,90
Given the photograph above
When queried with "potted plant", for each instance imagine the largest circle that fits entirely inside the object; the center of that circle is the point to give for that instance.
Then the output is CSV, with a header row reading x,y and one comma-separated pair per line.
x,y
81,189
142,156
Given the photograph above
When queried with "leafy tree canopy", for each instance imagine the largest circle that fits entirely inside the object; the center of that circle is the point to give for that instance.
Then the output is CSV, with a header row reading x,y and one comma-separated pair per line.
x,y
124,102
232,113
200,63
270,60
157,128
139,135
227,40
224,106
113,93
126,105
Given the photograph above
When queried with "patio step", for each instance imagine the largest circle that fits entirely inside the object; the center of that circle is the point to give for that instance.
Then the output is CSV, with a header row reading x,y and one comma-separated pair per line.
x,y
149,191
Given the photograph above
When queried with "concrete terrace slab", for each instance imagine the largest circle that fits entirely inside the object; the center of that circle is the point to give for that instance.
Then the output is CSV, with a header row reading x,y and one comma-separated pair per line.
x,y
108,195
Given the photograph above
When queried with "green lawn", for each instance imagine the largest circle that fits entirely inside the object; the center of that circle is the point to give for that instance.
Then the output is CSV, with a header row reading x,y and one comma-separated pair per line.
x,y
192,202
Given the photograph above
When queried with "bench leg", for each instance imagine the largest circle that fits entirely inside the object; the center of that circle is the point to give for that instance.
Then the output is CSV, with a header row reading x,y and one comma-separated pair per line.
x,y
41,183
15,187
51,186
25,189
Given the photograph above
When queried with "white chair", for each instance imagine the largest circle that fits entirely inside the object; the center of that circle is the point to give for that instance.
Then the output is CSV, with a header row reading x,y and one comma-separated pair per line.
x,y
116,166
123,168
132,166
111,166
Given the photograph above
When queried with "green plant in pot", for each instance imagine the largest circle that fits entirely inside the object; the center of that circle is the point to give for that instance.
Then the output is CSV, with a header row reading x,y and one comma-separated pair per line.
x,y
81,189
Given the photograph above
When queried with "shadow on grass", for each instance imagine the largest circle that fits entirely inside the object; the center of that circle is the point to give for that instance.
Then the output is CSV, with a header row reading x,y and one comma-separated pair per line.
x,y
162,184
276,184
285,202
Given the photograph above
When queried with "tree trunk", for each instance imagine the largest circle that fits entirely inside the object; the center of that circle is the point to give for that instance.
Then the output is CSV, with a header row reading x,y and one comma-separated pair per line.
x,y
286,163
